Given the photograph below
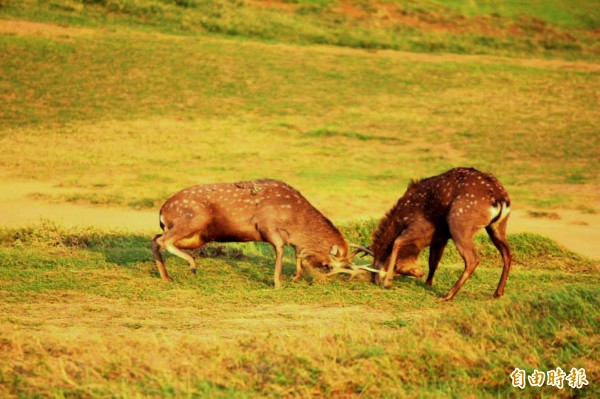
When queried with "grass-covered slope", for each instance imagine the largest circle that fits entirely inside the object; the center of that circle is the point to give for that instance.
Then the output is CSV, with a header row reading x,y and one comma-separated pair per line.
x,y
126,117
558,28
85,314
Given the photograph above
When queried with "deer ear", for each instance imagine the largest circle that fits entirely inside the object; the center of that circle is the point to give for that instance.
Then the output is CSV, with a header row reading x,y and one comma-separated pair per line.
x,y
334,250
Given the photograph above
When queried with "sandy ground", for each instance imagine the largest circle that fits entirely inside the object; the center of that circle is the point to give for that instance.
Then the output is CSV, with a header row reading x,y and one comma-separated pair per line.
x,y
576,231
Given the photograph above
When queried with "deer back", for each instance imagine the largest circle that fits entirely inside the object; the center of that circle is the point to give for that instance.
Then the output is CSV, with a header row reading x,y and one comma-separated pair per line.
x,y
236,211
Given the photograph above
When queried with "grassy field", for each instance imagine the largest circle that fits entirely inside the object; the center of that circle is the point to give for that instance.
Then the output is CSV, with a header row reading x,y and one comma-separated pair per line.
x,y
123,102
85,315
161,112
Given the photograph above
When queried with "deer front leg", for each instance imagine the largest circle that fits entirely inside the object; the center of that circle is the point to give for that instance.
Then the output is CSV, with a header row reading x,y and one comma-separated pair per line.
x,y
278,266
402,240
435,255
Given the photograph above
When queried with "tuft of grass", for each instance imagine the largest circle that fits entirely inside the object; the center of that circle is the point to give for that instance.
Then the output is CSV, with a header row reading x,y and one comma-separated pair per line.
x,y
49,233
328,132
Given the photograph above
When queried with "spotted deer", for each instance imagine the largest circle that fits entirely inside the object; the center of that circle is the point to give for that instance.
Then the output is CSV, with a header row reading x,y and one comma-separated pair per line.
x,y
453,205
260,210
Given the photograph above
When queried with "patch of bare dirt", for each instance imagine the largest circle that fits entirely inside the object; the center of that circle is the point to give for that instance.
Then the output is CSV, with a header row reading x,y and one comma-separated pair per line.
x,y
17,208
579,232
24,28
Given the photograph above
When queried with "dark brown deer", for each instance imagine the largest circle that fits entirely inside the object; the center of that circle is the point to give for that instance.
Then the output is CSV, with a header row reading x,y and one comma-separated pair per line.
x,y
452,205
260,210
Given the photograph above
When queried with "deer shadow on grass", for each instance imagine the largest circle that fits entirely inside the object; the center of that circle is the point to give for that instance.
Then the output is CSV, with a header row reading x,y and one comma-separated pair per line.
x,y
252,261
120,248
128,250
435,289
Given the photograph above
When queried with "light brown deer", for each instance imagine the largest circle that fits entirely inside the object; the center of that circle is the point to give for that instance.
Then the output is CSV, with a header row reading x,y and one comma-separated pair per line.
x,y
260,210
452,205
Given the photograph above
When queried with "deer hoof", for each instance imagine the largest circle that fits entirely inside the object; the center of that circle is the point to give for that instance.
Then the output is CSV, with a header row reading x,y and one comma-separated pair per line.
x,y
193,271
377,279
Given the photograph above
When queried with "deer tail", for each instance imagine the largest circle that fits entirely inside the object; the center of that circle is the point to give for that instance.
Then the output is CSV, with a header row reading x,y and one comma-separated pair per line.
x,y
161,221
500,211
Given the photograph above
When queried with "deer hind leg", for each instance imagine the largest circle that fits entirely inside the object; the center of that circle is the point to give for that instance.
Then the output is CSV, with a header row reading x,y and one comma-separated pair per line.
x,y
497,233
299,270
173,240
463,239
159,260
436,250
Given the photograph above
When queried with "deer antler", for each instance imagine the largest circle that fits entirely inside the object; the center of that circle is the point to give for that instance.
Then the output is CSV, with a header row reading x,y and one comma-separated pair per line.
x,y
352,272
356,270
371,270
359,249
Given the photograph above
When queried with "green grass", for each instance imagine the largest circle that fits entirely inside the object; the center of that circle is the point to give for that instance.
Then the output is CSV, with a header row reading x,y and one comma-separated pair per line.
x,y
580,13
555,28
85,314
